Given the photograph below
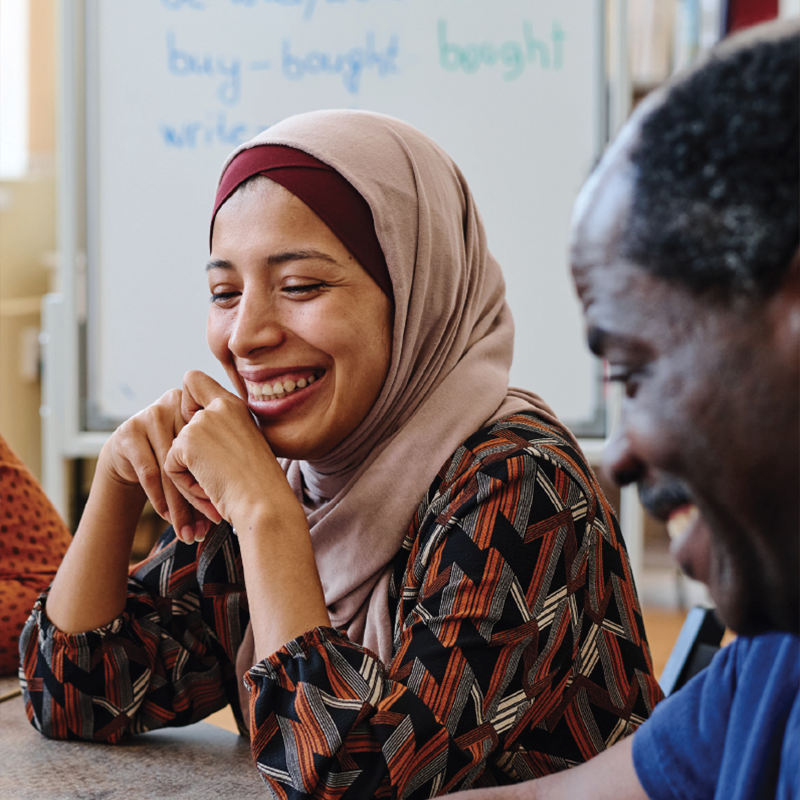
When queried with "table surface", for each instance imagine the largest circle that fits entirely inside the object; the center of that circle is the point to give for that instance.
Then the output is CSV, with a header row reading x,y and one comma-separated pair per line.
x,y
197,761
9,687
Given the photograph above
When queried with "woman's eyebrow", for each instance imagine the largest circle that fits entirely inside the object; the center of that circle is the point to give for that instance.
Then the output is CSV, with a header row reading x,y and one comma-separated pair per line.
x,y
277,258
299,255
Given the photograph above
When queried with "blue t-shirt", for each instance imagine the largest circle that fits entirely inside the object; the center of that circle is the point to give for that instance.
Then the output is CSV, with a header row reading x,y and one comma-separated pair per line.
x,y
733,732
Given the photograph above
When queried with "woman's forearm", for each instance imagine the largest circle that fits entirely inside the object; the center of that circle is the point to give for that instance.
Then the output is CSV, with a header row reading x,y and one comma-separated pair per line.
x,y
283,586
610,775
90,587
246,485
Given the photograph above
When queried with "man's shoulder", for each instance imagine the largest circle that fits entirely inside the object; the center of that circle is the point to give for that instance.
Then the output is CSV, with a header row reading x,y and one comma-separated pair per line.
x,y
769,651
765,672
751,668
722,730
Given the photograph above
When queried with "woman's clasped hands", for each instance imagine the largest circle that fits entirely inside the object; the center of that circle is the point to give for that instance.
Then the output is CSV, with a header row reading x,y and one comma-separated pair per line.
x,y
199,457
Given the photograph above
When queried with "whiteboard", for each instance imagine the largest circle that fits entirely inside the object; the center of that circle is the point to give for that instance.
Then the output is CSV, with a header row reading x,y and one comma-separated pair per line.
x,y
511,89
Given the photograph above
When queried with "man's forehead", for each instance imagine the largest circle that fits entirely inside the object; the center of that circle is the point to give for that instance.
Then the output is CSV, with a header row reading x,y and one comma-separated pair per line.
x,y
601,213
601,210
597,257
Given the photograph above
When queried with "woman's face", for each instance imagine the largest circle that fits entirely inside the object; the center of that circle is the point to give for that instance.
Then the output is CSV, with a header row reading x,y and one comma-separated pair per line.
x,y
301,328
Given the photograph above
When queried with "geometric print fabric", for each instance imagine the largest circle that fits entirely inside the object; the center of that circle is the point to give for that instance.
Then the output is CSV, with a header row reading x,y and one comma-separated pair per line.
x,y
519,646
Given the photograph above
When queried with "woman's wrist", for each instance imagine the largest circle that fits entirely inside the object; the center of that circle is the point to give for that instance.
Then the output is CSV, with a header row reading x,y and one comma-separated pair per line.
x,y
277,512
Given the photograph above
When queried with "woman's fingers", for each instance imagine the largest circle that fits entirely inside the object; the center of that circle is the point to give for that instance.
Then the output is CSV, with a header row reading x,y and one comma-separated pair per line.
x,y
199,391
137,463
141,448
180,514
163,422
190,523
183,479
220,461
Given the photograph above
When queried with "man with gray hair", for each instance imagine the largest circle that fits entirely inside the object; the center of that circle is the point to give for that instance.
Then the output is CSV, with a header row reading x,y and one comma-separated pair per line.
x,y
685,258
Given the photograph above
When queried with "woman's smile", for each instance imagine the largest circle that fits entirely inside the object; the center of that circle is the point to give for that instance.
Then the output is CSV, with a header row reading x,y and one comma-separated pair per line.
x,y
283,394
281,384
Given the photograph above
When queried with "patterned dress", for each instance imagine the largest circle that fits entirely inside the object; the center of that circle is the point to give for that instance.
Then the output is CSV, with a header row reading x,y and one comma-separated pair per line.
x,y
33,540
519,647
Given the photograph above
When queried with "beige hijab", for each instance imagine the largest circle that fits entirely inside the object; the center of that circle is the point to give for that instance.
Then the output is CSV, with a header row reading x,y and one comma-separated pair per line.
x,y
448,377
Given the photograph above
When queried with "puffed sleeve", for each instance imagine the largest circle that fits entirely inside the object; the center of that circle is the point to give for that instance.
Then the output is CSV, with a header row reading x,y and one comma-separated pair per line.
x,y
519,645
167,660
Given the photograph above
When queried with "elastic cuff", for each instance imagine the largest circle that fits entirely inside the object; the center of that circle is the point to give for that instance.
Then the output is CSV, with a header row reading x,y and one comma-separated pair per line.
x,y
70,641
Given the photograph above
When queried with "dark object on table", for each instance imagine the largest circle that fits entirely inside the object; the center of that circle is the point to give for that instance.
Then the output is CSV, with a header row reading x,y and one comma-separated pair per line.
x,y
697,643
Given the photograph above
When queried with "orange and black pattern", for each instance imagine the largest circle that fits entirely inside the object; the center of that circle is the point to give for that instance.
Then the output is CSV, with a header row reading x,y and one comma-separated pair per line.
x,y
33,540
519,643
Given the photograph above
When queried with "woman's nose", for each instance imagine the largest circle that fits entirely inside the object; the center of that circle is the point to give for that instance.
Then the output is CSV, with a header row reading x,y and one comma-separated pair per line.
x,y
620,460
256,327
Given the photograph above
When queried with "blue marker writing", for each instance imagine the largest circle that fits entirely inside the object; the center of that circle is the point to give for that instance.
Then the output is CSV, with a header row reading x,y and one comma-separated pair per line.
x,y
351,64
183,63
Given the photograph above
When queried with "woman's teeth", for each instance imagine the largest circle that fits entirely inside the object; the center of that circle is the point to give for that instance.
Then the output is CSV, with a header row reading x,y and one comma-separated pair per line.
x,y
275,390
681,519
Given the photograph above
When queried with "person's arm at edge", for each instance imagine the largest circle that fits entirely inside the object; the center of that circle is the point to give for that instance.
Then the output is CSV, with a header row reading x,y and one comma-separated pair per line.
x,y
90,587
608,776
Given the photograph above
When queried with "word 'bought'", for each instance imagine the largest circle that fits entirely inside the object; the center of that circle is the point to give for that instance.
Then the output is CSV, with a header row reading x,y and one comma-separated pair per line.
x,y
351,65
513,55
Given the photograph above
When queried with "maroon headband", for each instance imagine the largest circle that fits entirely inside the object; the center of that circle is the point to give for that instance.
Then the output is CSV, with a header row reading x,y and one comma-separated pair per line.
x,y
333,199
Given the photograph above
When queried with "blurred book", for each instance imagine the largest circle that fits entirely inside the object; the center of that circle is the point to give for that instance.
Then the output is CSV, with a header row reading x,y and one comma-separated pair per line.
x,y
651,32
699,25
668,35
744,13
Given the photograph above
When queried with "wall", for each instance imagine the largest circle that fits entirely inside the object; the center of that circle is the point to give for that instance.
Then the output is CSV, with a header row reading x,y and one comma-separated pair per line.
x,y
27,241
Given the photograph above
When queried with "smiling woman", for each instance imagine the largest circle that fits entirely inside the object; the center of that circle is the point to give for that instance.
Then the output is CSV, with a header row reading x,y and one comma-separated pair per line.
x,y
302,329
399,571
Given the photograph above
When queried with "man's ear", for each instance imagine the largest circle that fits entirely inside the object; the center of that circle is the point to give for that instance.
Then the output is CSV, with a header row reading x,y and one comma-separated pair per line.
x,y
794,268
786,303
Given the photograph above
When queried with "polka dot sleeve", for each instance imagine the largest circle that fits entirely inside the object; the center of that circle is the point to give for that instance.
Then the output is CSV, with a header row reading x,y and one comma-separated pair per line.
x,y
33,540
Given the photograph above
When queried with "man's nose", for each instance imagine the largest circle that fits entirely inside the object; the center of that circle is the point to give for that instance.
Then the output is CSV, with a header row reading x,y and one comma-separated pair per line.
x,y
620,462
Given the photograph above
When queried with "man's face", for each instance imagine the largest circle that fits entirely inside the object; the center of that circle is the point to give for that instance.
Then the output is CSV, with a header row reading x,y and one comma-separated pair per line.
x,y
709,427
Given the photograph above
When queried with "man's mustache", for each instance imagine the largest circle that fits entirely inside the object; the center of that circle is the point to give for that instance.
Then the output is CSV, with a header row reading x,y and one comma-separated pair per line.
x,y
660,499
